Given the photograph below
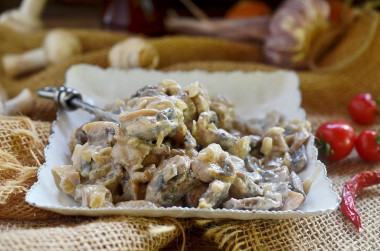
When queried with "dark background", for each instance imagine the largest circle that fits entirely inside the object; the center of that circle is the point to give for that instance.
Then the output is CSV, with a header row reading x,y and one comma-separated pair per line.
x,y
91,13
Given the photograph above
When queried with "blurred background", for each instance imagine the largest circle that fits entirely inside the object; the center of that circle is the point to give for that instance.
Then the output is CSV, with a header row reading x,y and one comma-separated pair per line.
x,y
141,16
122,15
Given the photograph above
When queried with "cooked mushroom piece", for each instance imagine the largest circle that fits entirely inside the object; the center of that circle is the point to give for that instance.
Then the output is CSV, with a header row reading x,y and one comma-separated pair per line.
x,y
212,163
148,124
192,196
94,196
225,111
270,200
172,180
296,183
276,175
296,134
292,201
278,144
199,95
299,159
246,185
216,193
206,133
153,118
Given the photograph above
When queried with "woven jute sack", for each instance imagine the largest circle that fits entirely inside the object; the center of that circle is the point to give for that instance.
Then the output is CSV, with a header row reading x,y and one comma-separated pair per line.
x,y
325,97
22,142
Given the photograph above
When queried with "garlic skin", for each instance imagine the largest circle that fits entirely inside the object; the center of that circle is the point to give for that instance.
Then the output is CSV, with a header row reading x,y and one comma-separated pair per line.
x,y
293,29
133,53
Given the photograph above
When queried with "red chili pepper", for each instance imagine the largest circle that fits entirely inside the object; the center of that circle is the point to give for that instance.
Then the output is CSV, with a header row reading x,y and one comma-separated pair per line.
x,y
351,190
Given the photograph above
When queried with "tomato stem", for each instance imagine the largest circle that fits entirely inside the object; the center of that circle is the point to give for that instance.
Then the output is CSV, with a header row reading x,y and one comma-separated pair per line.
x,y
323,147
377,139
377,100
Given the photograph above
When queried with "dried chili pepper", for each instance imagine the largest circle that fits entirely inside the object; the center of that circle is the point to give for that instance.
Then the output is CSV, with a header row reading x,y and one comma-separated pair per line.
x,y
351,190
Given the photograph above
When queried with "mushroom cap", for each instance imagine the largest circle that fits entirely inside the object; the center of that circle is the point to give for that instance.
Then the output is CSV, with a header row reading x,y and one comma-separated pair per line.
x,y
133,52
60,45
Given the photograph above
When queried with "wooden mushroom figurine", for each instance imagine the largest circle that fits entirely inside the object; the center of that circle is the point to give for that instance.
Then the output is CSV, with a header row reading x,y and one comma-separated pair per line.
x,y
133,53
58,45
26,18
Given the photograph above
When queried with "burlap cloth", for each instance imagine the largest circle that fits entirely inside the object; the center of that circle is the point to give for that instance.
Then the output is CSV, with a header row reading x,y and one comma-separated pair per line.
x,y
325,97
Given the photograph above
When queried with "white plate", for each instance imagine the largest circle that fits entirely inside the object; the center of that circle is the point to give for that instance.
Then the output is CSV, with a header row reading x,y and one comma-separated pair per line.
x,y
254,94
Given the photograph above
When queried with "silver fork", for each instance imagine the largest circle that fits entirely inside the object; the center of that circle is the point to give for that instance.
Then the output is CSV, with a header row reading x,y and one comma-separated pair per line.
x,y
70,99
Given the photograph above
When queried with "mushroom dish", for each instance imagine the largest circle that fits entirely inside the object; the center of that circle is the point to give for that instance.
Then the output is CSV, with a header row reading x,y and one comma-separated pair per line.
x,y
177,146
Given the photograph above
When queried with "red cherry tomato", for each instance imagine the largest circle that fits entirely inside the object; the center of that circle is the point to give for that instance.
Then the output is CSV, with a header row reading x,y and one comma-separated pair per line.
x,y
368,146
363,109
336,139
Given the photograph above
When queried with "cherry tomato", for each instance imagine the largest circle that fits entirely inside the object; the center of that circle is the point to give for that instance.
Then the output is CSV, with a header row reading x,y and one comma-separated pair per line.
x,y
363,109
368,146
336,139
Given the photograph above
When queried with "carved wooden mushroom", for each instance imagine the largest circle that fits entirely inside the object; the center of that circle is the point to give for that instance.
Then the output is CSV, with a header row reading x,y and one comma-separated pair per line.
x,y
133,53
58,45
26,18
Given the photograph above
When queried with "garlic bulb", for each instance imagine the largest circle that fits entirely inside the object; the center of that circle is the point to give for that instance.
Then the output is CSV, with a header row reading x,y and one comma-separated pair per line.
x,y
292,31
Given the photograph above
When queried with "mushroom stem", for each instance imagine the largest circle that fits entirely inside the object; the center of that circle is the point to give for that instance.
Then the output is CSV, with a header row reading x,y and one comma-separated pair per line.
x,y
26,18
29,61
32,8
21,104
58,45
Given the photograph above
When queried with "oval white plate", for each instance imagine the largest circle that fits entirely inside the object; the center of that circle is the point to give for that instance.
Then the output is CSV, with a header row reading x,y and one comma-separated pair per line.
x,y
254,94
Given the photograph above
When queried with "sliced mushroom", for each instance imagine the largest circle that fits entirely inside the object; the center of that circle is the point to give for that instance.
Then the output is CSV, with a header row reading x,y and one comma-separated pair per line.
x,y
94,196
207,133
276,175
216,193
192,196
299,159
271,200
246,185
213,163
296,183
278,141
66,178
199,95
225,111
153,118
172,180
292,201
